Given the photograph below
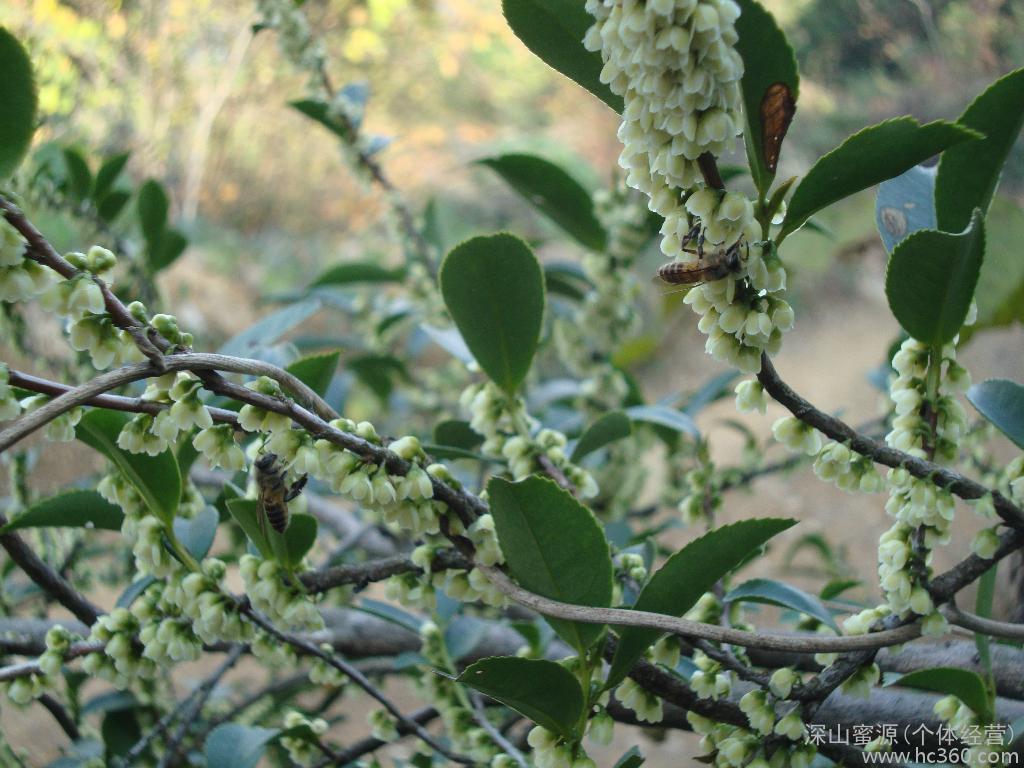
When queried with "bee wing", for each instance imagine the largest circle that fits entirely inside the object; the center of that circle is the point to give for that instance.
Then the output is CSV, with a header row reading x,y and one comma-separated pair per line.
x,y
668,289
261,518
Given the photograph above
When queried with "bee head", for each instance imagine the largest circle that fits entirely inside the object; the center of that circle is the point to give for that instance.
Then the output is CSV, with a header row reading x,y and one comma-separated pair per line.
x,y
266,462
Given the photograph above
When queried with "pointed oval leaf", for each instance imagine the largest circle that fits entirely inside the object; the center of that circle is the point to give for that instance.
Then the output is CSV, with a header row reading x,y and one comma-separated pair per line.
x,y
554,31
931,278
358,272
869,157
783,595
18,95
554,192
71,509
534,519
1002,402
197,533
607,429
265,332
541,690
969,174
299,537
108,174
770,86
156,478
663,416
905,204
689,573
171,245
316,371
494,289
112,204
962,683
152,206
232,745
79,177
457,434
247,513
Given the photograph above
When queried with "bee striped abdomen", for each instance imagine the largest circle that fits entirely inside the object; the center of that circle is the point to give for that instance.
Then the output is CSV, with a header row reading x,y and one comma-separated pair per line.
x,y
277,515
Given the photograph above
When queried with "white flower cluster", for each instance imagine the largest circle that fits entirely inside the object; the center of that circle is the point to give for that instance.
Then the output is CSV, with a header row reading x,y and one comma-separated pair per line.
x,y
21,278
213,612
322,673
152,435
121,662
9,406
551,751
217,444
166,633
735,747
302,751
848,470
468,587
797,436
106,344
22,690
963,721
702,496
709,681
927,424
271,593
860,683
646,705
507,430
60,429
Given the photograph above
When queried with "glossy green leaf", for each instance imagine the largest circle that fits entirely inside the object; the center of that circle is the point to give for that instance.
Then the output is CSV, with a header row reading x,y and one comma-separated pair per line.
x,y
836,587
554,31
299,537
1002,402
457,434
153,206
777,593
71,509
108,174
663,416
358,272
969,174
545,692
606,429
247,514
905,204
197,533
79,177
378,372
232,745
120,731
931,278
768,58
689,573
566,280
156,478
18,95
494,289
171,245
534,519
112,204
630,759
320,112
964,684
872,155
316,371
554,192
134,590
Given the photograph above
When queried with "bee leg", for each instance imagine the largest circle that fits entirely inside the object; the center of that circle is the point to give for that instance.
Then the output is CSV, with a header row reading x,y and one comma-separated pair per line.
x,y
296,488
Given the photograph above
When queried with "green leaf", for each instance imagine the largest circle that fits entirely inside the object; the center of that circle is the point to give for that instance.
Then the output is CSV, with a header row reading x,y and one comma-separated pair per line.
x,y
663,416
872,155
156,478
112,204
152,206
79,178
120,731
247,513
1000,291
836,587
534,519
1002,402
965,685
554,31
776,593
606,429
265,332
630,759
71,509
494,289
134,590
689,573
18,95
197,533
232,745
541,690
555,193
320,112
768,59
378,372
566,280
108,173
931,278
969,174
316,371
358,272
299,538
457,434
171,245
905,205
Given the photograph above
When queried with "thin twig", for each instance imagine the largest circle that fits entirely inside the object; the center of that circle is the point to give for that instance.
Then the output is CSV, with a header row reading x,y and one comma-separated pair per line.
x,y
480,715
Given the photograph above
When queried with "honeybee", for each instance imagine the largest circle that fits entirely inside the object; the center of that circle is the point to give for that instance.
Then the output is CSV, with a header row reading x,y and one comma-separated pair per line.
x,y
275,492
717,265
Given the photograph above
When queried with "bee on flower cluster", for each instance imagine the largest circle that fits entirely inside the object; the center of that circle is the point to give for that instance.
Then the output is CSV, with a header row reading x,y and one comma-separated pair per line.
x,y
275,492
706,268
